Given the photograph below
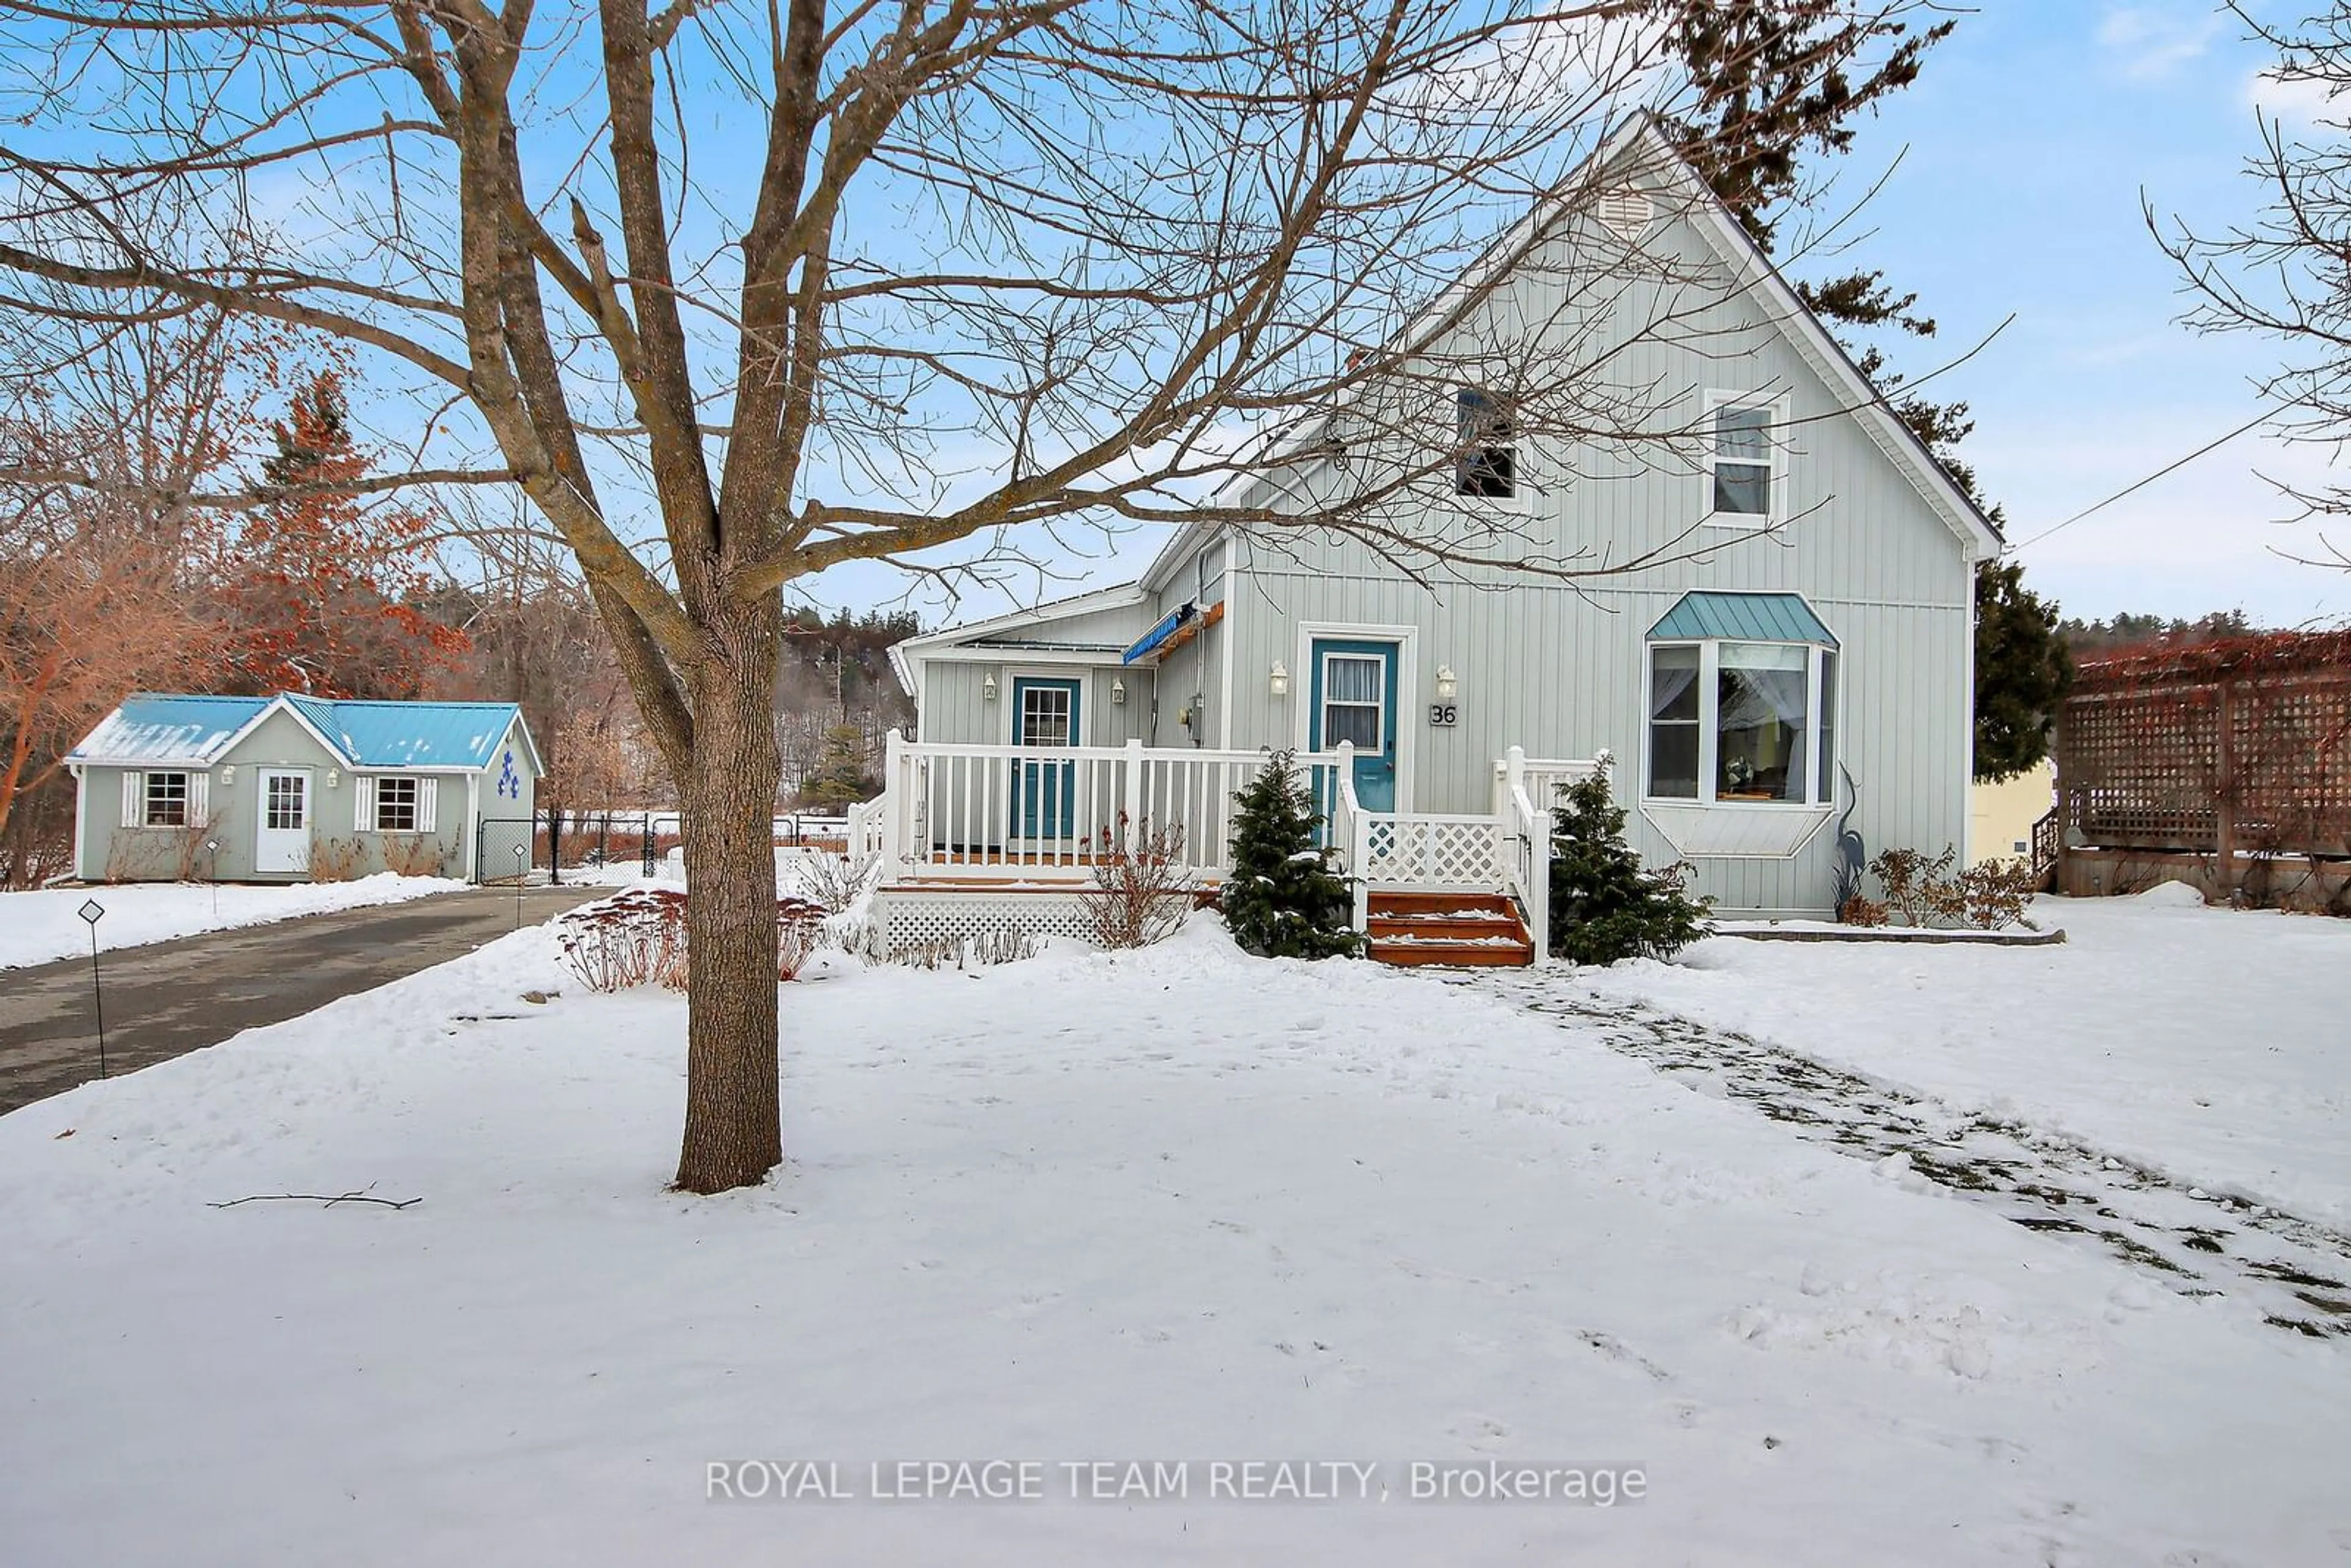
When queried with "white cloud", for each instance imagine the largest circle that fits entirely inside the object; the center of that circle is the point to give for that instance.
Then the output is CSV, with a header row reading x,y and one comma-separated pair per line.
x,y
2297,100
2150,43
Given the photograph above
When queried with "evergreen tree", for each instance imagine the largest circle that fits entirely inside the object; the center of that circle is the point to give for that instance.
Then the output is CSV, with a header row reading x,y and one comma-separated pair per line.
x,y
2022,673
839,778
1281,899
1604,906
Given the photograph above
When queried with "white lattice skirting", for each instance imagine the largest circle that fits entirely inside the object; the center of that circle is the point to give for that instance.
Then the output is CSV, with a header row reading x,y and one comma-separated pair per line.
x,y
904,922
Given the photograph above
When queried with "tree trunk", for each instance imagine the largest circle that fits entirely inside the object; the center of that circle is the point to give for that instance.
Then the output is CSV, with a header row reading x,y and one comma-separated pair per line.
x,y
734,1121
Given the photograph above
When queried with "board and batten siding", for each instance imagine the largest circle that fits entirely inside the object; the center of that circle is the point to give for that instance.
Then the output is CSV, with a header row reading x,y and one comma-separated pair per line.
x,y
1558,670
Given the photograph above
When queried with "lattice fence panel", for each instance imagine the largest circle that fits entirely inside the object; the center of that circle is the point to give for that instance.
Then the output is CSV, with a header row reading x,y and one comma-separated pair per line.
x,y
904,921
2143,766
1435,851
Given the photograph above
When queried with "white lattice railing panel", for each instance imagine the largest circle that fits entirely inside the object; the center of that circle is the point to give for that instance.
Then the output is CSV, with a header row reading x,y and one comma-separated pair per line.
x,y
905,922
1433,851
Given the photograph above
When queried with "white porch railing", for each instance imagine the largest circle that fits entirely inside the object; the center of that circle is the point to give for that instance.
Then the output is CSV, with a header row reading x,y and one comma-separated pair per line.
x,y
865,830
1046,813
1015,813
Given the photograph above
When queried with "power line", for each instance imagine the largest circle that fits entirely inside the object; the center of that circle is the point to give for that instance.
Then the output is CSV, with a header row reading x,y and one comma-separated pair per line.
x,y
2151,478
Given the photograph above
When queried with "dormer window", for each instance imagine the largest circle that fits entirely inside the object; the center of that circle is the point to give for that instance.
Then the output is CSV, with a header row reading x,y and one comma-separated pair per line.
x,y
1486,451
1743,458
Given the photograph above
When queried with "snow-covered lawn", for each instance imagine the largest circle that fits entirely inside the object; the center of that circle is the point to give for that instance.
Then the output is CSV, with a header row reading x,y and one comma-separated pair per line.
x,y
2211,1044
1180,1206
37,927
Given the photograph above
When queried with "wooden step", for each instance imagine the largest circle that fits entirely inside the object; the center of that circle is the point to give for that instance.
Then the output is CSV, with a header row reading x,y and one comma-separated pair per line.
x,y
1469,924
1449,930
1390,901
1408,953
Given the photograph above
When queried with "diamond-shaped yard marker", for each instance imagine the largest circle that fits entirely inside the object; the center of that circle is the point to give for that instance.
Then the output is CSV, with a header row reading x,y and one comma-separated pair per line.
x,y
91,910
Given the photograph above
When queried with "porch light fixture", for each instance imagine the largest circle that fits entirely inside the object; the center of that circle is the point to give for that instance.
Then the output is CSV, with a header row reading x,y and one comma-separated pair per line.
x,y
228,775
987,687
1279,680
1446,684
333,779
1117,691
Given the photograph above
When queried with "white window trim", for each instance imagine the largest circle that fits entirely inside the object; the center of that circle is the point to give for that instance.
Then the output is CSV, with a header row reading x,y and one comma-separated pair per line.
x,y
1378,704
366,815
1775,459
1819,794
1521,450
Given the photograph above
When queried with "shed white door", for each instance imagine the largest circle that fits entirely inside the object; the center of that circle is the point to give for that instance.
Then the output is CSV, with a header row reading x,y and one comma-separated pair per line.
x,y
281,841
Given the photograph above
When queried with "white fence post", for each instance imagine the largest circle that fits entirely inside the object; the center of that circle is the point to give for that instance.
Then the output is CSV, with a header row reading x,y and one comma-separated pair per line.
x,y
1134,765
895,799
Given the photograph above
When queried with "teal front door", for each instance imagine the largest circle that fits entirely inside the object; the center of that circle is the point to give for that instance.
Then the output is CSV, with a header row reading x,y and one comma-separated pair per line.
x,y
1354,699
1044,713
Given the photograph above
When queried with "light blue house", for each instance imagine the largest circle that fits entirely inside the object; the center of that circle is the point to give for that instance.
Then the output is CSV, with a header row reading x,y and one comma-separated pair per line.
x,y
288,787
1781,671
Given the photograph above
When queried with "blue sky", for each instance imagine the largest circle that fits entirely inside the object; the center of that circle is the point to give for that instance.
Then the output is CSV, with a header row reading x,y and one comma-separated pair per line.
x,y
2023,150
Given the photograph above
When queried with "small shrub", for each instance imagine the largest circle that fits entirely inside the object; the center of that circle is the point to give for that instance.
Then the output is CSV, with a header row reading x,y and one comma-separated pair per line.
x,y
1281,898
1604,905
626,940
835,882
1996,893
638,937
1142,892
334,860
413,855
1860,911
1915,885
1004,945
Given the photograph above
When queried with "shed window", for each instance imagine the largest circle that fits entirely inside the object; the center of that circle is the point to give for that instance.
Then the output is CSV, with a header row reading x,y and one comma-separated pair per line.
x,y
167,800
1485,450
395,806
1737,723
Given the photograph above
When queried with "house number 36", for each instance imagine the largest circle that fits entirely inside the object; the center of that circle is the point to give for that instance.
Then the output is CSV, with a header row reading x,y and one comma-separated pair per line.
x,y
1443,714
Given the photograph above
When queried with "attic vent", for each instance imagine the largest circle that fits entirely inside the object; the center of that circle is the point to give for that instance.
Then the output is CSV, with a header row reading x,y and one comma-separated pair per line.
x,y
1628,213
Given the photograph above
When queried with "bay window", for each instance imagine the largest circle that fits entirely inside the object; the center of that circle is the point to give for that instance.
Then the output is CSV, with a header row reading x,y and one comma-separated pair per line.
x,y
1737,722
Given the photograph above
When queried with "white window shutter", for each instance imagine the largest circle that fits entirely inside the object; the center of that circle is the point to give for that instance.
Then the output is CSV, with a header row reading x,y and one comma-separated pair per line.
x,y
134,800
199,800
428,798
363,804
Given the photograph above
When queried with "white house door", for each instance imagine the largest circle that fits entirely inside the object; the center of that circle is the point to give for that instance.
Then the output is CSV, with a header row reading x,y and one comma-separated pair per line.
x,y
282,840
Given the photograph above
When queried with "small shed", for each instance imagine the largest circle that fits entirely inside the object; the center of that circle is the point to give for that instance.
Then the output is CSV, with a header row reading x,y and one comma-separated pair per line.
x,y
174,787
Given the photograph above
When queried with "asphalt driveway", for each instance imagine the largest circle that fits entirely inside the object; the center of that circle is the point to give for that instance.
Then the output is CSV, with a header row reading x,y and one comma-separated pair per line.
x,y
167,998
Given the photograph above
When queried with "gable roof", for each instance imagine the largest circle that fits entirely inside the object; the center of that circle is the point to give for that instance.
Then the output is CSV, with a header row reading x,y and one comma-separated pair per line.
x,y
153,727
1744,618
1638,141
905,655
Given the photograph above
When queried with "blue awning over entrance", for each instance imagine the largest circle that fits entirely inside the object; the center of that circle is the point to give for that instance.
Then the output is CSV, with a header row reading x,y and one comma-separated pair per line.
x,y
1742,618
1169,626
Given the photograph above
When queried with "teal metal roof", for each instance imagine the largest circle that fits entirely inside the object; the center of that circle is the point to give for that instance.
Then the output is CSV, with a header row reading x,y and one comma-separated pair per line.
x,y
1742,618
153,728
412,735
167,728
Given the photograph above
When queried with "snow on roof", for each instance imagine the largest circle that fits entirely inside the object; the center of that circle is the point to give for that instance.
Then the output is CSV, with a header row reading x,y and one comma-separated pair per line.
x,y
153,726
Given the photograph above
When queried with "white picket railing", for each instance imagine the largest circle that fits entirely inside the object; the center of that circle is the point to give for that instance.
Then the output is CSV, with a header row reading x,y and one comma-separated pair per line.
x,y
865,829
1046,813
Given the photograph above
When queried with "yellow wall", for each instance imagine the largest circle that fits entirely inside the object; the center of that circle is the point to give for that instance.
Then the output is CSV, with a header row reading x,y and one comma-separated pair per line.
x,y
2003,814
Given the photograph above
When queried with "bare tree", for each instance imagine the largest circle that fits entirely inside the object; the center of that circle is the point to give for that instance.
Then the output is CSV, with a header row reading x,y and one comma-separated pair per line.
x,y
809,285
97,559
2286,273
